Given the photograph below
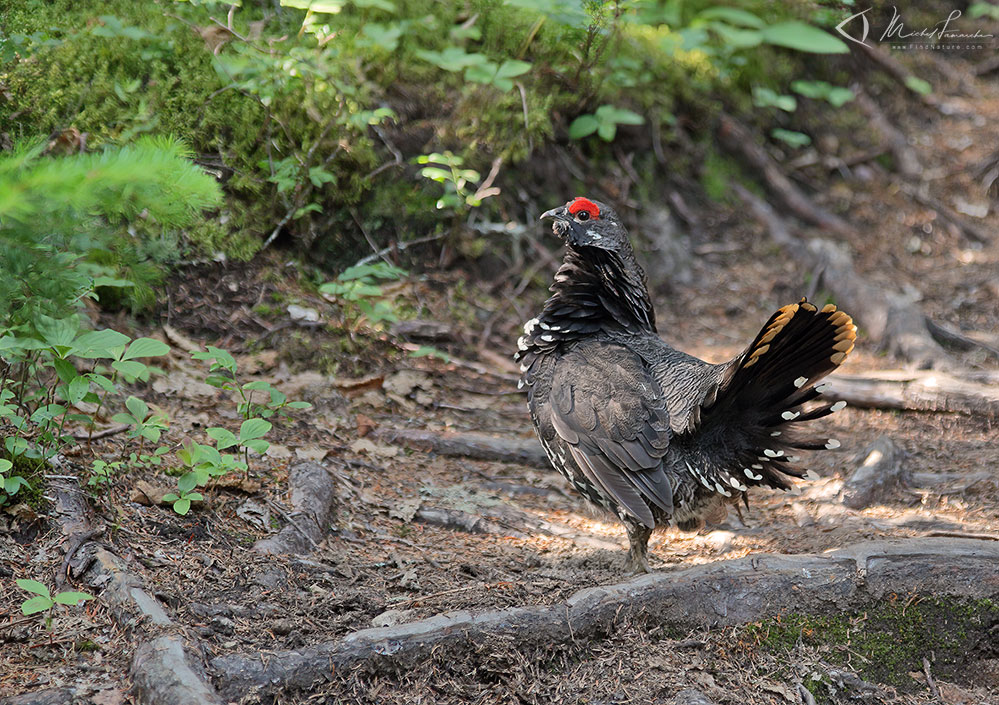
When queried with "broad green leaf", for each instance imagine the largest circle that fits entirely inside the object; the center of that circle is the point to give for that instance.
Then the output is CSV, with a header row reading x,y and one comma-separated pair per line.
x,y
11,485
736,38
732,15
766,98
5,464
129,368
15,445
72,598
583,126
795,139
224,438
331,7
918,85
257,384
139,408
33,586
101,381
257,445
803,37
182,506
607,131
620,116
386,5
187,482
77,389
512,68
100,343
57,331
36,604
65,369
111,281
253,428
145,347
298,405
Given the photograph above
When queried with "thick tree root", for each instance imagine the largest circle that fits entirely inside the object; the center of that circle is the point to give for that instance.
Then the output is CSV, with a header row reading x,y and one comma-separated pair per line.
x,y
163,675
469,445
737,138
312,501
889,318
881,468
721,594
916,391
161,671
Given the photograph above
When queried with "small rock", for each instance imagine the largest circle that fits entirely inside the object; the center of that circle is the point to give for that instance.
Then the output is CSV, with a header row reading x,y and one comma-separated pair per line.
x,y
148,494
390,618
223,625
271,579
690,696
300,313
313,453
278,452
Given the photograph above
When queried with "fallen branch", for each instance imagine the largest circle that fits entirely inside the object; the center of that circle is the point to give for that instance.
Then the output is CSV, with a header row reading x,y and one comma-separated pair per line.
x,y
890,318
312,500
468,445
738,139
726,593
917,390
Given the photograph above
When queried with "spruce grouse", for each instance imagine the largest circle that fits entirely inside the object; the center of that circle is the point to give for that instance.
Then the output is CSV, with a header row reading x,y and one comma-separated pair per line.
x,y
655,435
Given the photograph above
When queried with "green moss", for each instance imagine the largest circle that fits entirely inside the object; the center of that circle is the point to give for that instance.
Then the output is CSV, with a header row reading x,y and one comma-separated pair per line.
x,y
891,638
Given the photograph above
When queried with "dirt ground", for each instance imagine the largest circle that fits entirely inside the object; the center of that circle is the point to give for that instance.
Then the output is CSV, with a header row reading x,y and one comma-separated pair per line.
x,y
380,564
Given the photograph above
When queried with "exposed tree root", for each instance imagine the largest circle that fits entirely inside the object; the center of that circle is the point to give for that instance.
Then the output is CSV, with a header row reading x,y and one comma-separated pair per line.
x,y
163,675
906,161
917,391
889,318
160,669
720,594
737,138
506,520
51,696
469,445
312,501
882,467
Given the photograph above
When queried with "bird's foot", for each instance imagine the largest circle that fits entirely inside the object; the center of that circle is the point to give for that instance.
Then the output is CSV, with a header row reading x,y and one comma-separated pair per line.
x,y
638,553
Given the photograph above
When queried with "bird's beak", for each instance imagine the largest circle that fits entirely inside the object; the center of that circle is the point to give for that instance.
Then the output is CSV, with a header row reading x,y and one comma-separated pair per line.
x,y
556,213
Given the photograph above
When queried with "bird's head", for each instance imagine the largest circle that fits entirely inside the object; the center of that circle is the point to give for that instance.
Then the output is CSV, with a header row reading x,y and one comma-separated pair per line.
x,y
585,223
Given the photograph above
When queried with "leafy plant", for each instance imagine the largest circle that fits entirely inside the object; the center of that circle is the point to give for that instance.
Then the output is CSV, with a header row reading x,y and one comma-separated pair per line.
x,y
446,168
604,122
44,601
358,291
766,98
836,96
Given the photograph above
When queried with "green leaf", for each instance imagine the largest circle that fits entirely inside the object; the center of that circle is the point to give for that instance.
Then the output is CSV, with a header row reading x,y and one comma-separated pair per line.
x,y
5,464
257,445
129,368
803,37
187,482
619,116
12,484
607,131
101,381
57,331
224,438
77,389
766,98
15,445
33,586
257,384
918,85
583,126
732,15
795,139
512,68
65,369
139,408
100,343
111,281
253,428
35,605
298,405
72,598
145,347
182,506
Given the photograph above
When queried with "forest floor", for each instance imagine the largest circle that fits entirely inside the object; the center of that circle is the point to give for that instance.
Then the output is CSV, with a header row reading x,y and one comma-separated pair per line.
x,y
383,563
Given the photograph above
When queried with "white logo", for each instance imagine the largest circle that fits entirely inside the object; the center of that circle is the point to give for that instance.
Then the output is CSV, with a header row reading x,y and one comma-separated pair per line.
x,y
867,27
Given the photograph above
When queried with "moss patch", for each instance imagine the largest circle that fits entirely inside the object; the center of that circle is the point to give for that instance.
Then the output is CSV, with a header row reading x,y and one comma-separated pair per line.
x,y
890,639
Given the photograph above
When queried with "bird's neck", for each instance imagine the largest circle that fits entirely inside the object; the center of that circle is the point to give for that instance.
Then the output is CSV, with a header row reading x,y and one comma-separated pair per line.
x,y
594,290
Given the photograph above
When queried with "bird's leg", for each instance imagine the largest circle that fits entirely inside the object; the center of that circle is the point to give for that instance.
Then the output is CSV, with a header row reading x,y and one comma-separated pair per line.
x,y
638,553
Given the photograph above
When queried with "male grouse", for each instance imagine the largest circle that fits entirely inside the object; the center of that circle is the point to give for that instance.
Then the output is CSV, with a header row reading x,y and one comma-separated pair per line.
x,y
651,433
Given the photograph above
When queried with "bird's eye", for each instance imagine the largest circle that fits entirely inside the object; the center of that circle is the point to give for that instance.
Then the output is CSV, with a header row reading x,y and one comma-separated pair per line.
x,y
583,215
